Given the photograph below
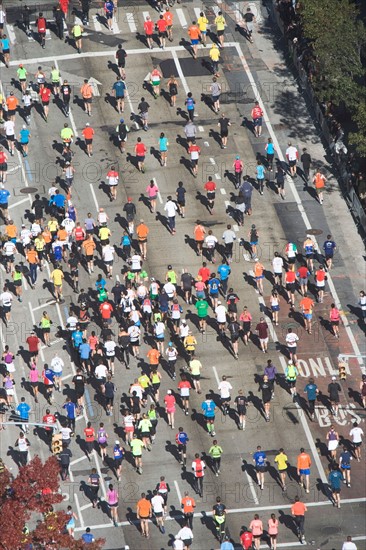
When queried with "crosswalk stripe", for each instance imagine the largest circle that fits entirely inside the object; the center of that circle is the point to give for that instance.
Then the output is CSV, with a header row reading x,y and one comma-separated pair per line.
x,y
182,18
11,33
97,25
115,27
145,15
131,21
197,12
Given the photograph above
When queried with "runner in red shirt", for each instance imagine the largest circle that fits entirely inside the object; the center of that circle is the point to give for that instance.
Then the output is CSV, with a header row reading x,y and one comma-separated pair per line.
x,y
106,310
257,117
149,29
140,152
168,16
113,178
194,150
210,188
290,281
50,419
162,25
246,540
204,272
88,134
45,95
41,28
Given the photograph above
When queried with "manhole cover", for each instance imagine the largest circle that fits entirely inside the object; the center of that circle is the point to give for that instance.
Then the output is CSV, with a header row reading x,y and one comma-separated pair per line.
x,y
314,232
27,190
331,530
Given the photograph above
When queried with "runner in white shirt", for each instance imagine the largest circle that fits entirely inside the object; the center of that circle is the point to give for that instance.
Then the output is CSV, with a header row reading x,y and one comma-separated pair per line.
x,y
9,127
108,252
292,156
110,351
220,312
356,434
349,545
171,209
157,503
25,236
211,242
9,250
136,262
6,300
68,224
291,341
71,323
101,373
277,265
170,289
224,388
102,217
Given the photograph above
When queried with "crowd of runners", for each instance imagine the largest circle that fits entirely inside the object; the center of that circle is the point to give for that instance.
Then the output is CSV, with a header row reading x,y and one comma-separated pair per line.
x,y
147,323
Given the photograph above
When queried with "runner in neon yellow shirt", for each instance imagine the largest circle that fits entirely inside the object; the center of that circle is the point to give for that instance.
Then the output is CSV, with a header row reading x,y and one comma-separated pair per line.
x,y
202,25
220,28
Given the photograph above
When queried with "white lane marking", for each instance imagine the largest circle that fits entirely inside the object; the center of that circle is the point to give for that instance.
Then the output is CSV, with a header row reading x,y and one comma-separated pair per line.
x,y
97,25
127,96
241,511
223,191
216,10
94,196
159,194
217,176
197,12
102,53
79,514
115,27
181,17
131,22
86,506
227,204
66,378
298,201
201,129
145,15
236,227
216,375
44,305
252,489
180,72
77,460
11,34
178,491
18,203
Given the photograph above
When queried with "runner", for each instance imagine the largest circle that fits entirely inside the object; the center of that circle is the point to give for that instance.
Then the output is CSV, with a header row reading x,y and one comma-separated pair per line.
x,y
311,389
335,479
215,453
249,20
345,465
144,513
256,527
292,156
188,505
121,55
282,465
259,459
219,517
87,94
257,118
194,34
41,24
319,181
157,503
273,531
298,510
149,29
246,319
333,442
88,134
307,305
202,23
303,469
198,468
356,434
162,25
220,28
334,389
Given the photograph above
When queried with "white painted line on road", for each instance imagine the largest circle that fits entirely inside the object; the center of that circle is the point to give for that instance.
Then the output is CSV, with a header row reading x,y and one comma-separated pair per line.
x,y
131,22
197,12
252,488
79,514
216,375
178,491
223,191
115,27
77,460
127,96
297,198
35,324
180,72
236,227
182,18
215,9
11,34
67,377
44,305
201,129
212,160
159,194
94,197
145,15
18,203
238,511
227,204
97,25
217,176
13,169
86,506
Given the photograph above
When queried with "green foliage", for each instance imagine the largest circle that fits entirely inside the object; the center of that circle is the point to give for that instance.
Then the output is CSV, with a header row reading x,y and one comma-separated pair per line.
x,y
358,139
337,37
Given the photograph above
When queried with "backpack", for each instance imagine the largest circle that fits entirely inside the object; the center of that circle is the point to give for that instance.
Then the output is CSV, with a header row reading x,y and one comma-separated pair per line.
x,y
102,436
291,372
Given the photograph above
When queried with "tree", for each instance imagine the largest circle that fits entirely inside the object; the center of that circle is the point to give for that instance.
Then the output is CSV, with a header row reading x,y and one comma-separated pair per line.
x,y
336,35
359,138
33,493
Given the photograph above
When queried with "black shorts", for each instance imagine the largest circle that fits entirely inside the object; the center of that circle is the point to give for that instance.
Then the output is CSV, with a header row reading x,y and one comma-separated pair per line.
x,y
211,196
118,462
220,33
88,141
181,203
122,64
109,15
45,103
3,167
87,99
260,469
89,257
10,137
163,34
290,287
292,162
11,112
224,133
242,410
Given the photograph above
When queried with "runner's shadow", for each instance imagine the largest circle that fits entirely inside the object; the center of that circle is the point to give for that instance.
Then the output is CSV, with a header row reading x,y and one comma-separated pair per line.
x,y
109,98
287,521
113,67
249,469
57,146
257,403
156,154
182,113
132,160
230,177
248,124
163,220
250,280
172,449
215,135
207,100
186,44
78,101
322,447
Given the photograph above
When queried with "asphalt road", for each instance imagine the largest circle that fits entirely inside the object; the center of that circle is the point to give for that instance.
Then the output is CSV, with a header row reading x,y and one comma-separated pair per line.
x,y
247,72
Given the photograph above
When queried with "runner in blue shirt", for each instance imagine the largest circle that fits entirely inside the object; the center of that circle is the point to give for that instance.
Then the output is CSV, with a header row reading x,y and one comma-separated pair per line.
x,y
163,149
109,10
335,480
209,409
4,198
260,176
312,390
329,248
24,136
224,271
77,338
23,410
270,150
259,458
227,545
119,90
71,409
345,465
181,440
213,289
87,537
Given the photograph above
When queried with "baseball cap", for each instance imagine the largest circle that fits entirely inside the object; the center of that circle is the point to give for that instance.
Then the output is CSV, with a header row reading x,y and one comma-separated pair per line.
x,y
122,120
170,343
87,124
117,442
218,303
169,392
237,157
129,199
334,378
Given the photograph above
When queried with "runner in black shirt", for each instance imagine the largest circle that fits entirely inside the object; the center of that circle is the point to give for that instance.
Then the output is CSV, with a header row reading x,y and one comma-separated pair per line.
x,y
249,19
66,96
121,61
232,299
74,270
181,198
37,206
241,403
224,124
130,210
79,381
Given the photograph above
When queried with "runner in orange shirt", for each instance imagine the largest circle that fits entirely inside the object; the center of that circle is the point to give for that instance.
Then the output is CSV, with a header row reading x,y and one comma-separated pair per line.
x,y
303,469
89,246
12,104
144,512
168,16
307,305
199,236
319,181
88,134
188,505
153,355
258,274
194,34
142,232
87,93
298,510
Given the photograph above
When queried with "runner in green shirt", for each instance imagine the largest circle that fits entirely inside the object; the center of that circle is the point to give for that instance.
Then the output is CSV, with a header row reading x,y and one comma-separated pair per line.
x,y
202,309
215,453
195,367
136,447
77,32
22,75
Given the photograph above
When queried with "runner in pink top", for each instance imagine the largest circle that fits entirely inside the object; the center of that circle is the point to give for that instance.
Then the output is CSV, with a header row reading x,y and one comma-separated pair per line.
x,y
169,401
273,531
34,380
334,317
112,499
152,191
256,527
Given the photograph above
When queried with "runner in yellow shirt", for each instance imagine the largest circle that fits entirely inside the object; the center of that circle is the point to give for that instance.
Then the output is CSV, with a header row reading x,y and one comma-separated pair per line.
x,y
220,28
57,277
202,25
